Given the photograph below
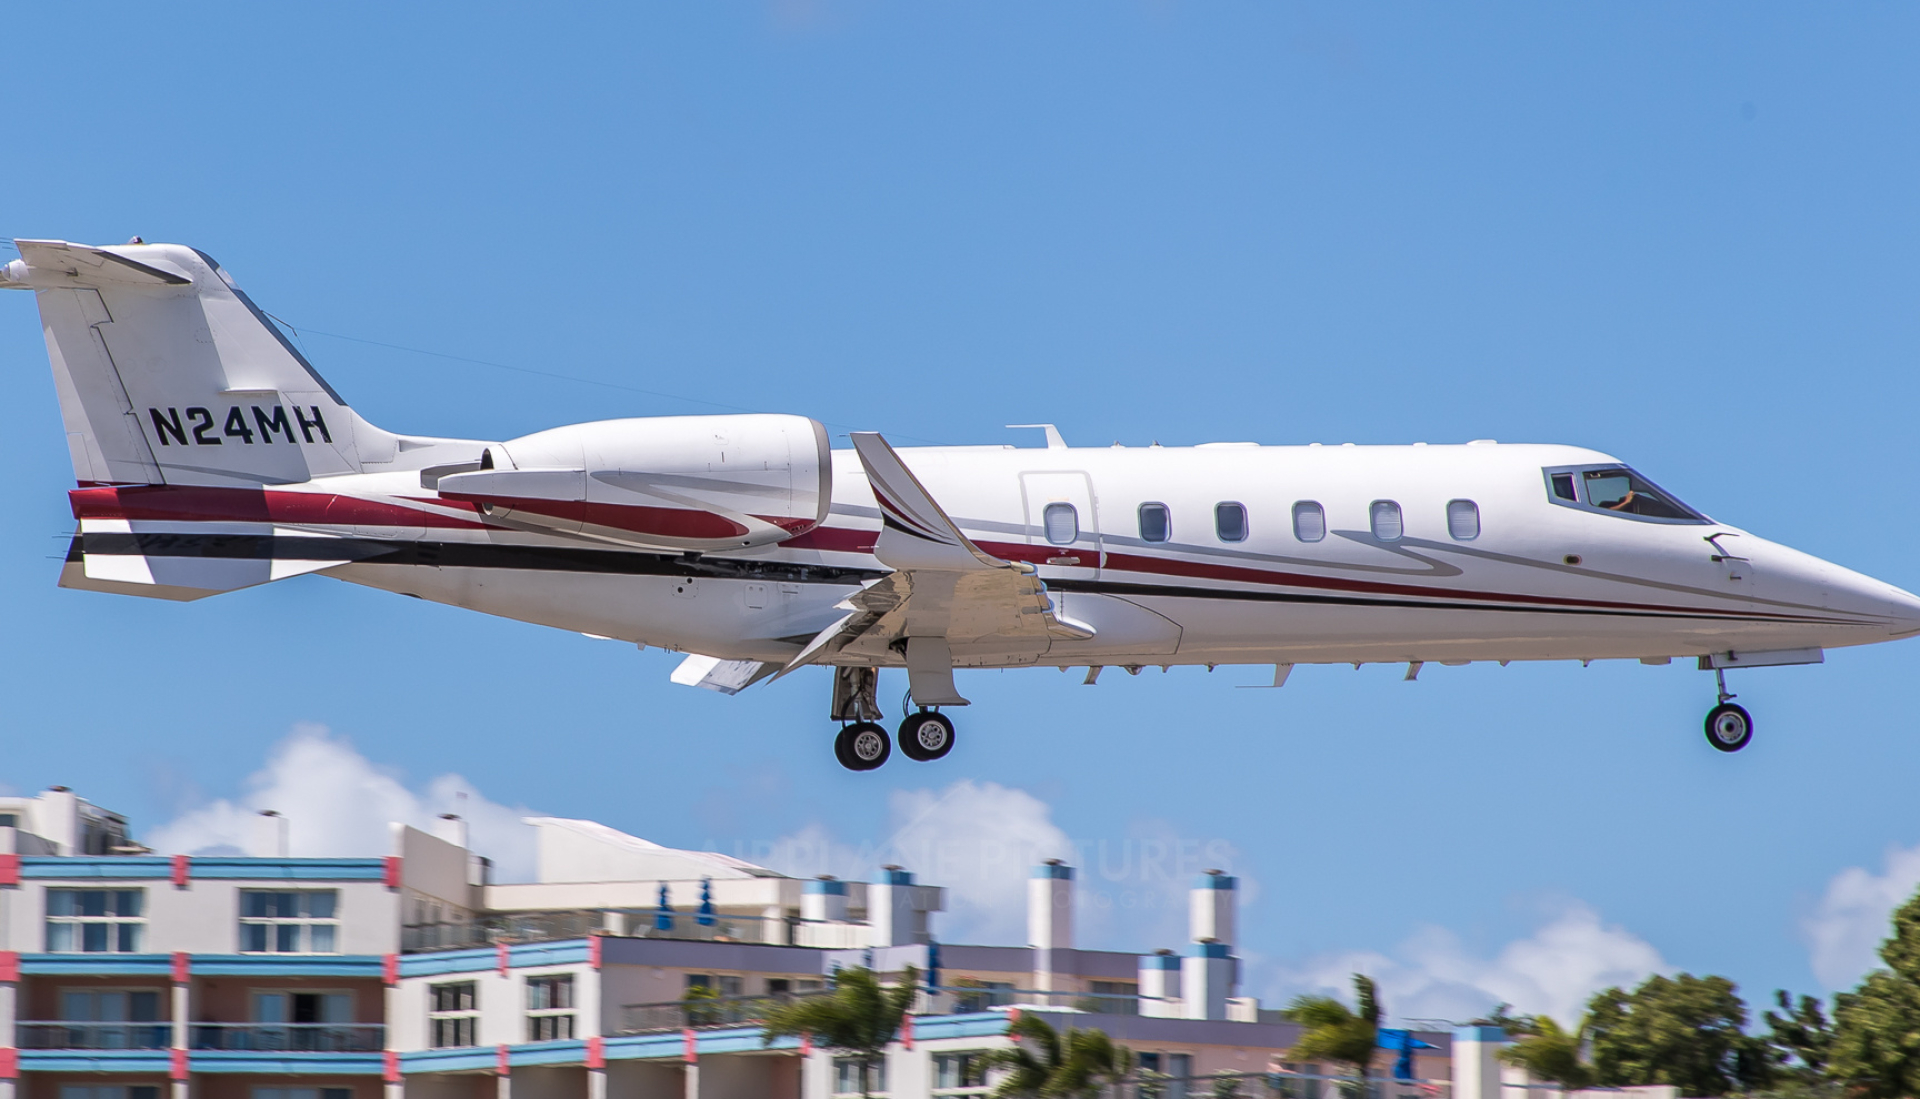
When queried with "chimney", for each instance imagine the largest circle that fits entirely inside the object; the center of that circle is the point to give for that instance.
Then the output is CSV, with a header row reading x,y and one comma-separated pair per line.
x,y
56,819
890,912
1049,919
451,827
1160,985
1212,907
1206,980
825,899
269,835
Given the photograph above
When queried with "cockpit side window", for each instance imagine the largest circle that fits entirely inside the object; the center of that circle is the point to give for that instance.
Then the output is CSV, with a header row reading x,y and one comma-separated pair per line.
x,y
1619,490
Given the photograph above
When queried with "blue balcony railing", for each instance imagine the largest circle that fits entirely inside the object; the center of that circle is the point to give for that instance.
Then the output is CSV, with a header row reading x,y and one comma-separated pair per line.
x,y
290,1037
83,1035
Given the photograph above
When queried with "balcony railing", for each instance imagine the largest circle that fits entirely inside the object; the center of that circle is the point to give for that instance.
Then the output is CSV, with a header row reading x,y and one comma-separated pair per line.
x,y
697,1012
290,1037
81,1035
637,923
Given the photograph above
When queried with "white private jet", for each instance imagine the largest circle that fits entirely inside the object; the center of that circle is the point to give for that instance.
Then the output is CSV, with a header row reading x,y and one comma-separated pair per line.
x,y
211,456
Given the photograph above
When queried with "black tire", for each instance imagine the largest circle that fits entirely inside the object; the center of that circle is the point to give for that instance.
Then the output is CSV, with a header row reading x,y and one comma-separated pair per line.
x,y
1729,727
926,736
862,746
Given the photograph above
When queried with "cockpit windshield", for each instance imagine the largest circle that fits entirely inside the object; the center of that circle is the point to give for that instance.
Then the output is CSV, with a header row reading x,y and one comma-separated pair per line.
x,y
1619,490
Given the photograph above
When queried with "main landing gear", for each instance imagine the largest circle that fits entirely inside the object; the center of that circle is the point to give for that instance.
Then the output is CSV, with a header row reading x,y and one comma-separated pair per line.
x,y
862,744
1729,727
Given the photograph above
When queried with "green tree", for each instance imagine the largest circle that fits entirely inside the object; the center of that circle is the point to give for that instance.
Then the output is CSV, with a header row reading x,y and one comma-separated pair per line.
x,y
1801,1038
859,1017
1548,1051
1045,1064
1685,1031
1876,1027
1334,1032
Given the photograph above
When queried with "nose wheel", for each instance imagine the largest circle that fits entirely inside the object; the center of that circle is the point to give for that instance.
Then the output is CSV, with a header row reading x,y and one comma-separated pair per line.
x,y
1729,727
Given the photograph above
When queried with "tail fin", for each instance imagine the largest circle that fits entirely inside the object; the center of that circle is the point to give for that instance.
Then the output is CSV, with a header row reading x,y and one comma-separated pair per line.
x,y
169,374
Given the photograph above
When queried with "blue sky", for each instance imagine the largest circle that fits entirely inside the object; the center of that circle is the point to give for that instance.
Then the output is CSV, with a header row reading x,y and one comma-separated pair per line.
x,y
1683,234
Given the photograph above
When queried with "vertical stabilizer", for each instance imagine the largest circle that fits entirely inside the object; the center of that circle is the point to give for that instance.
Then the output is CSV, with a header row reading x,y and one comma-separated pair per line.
x,y
168,374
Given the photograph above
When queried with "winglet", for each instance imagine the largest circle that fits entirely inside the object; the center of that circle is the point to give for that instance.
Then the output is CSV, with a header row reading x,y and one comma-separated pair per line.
x,y
915,532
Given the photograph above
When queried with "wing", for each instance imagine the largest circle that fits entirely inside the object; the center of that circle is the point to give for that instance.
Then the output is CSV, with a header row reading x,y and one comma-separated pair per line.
x,y
946,594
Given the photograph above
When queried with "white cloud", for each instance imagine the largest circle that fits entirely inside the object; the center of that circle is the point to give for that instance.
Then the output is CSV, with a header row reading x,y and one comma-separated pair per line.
x,y
981,841
1854,916
338,804
1432,975
978,839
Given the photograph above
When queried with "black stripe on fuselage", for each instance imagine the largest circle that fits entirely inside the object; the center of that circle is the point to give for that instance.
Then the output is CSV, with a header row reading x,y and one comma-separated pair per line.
x,y
620,562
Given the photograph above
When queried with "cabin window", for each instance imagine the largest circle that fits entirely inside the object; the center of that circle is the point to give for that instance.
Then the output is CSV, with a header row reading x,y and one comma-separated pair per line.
x,y
1463,520
1230,522
1062,524
1156,523
1385,516
1309,521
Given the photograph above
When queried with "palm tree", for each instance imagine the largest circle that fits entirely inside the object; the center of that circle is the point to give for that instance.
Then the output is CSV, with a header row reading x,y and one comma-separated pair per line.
x,y
859,1017
1338,1033
1549,1052
1044,1064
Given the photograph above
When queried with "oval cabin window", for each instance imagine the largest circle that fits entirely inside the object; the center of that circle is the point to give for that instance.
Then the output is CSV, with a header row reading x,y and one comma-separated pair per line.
x,y
1463,520
1387,525
1230,522
1309,521
1062,523
1156,523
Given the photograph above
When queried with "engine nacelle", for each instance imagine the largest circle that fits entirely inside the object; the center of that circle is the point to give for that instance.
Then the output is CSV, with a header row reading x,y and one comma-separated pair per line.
x,y
675,482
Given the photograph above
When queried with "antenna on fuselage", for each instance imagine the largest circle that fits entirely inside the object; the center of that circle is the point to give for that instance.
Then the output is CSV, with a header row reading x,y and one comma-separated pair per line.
x,y
1054,441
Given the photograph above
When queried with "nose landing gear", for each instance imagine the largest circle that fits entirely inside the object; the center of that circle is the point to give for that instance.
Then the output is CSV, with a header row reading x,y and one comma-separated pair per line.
x,y
1729,727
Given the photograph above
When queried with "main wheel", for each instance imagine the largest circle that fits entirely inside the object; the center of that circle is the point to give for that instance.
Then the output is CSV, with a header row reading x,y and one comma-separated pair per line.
x,y
926,736
1729,727
862,746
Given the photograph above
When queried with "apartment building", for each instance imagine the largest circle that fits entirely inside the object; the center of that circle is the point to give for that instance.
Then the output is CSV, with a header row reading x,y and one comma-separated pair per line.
x,y
626,970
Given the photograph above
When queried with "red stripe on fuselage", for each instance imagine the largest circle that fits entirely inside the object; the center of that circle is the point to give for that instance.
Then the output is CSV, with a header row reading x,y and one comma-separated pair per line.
x,y
210,504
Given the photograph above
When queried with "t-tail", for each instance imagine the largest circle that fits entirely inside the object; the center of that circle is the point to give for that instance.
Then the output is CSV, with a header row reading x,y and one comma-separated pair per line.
x,y
169,374
184,406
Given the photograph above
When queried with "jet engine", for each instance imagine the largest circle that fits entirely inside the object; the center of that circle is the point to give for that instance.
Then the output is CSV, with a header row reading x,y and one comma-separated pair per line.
x,y
675,482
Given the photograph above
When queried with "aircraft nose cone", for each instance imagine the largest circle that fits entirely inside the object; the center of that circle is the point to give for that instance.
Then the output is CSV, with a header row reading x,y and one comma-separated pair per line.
x,y
1902,610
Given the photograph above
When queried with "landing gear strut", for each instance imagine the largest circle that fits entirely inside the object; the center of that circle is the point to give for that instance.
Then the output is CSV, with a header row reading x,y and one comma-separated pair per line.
x,y
862,745
1729,727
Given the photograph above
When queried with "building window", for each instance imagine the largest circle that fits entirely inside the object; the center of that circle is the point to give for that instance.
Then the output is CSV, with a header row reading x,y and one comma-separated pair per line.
x,y
1230,522
1463,520
960,1073
1385,516
1309,521
453,1014
1062,524
95,921
1156,523
102,1018
9,820
723,985
846,1077
335,1008
547,999
290,923
296,1093
1114,997
109,1091
972,996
